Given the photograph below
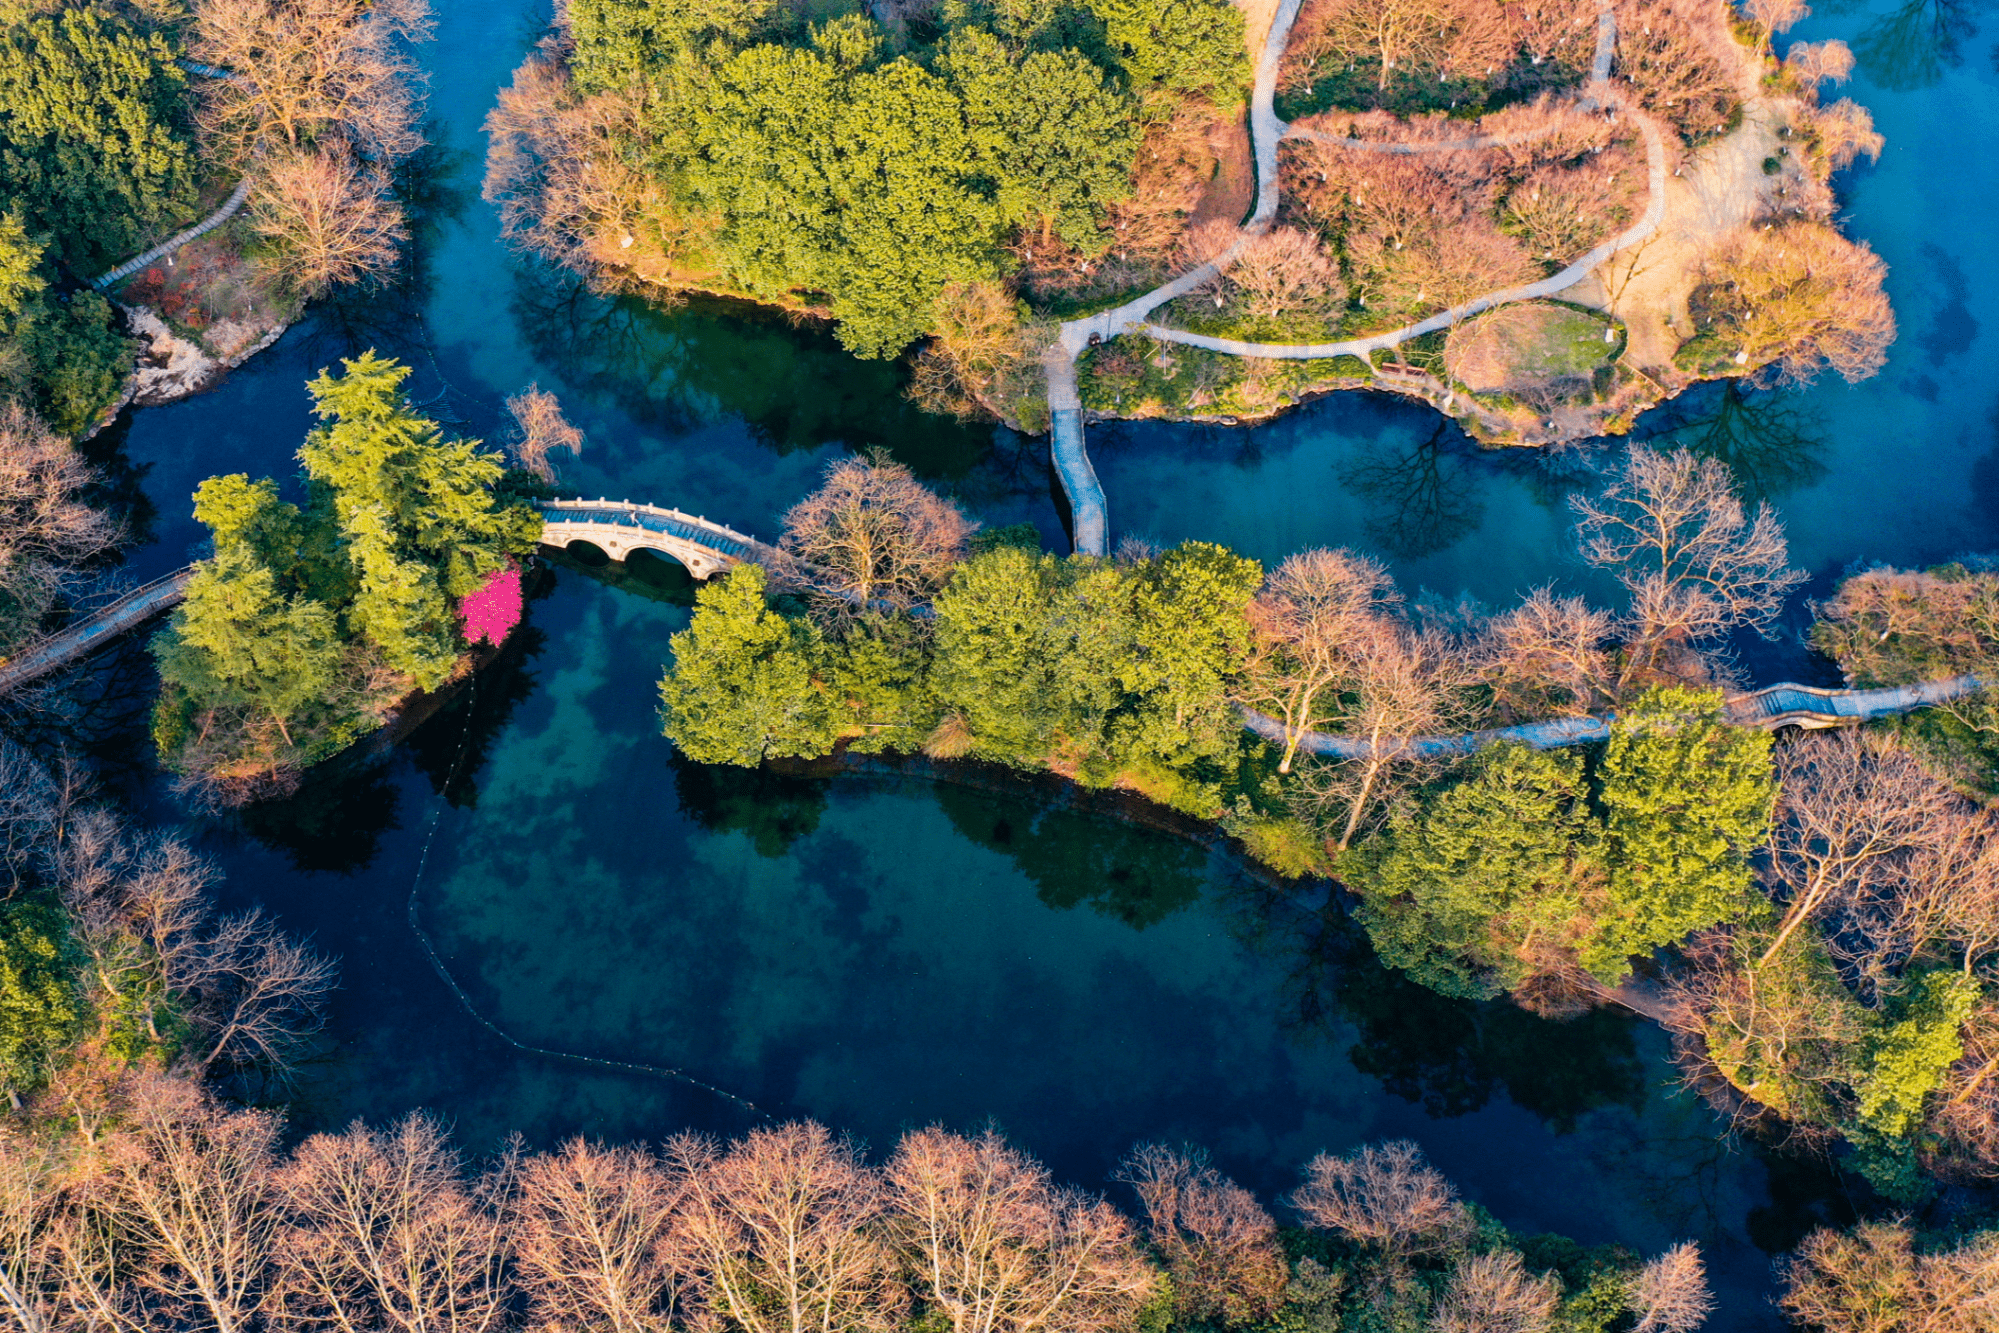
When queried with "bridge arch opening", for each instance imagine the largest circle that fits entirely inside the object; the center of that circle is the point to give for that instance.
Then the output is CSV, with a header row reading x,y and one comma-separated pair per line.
x,y
588,554
658,569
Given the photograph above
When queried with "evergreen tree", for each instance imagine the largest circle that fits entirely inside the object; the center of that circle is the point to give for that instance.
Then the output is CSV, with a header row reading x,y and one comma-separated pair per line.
x,y
1461,894
1181,46
94,142
39,1004
1686,800
415,512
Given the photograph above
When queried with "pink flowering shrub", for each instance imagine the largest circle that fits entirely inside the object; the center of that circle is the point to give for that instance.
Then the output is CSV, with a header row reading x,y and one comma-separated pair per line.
x,y
494,609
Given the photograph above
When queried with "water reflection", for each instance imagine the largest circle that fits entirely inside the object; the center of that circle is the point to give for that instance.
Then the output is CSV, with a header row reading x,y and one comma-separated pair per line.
x,y
1420,497
1912,45
775,810
1128,874
1772,439
679,365
335,822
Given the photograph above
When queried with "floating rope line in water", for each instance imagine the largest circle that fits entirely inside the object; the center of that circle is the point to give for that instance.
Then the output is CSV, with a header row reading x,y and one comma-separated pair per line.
x,y
437,963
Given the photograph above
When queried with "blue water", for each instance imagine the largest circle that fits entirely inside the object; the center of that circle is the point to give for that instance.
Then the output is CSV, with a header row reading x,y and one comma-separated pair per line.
x,y
879,951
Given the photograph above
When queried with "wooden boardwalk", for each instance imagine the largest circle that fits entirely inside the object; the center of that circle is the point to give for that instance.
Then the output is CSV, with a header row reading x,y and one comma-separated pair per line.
x,y
86,636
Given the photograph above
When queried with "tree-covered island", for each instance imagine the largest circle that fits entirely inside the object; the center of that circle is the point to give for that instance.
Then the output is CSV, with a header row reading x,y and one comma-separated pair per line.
x,y
959,178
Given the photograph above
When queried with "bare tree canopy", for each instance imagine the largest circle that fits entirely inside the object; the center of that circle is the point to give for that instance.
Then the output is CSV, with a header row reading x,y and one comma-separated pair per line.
x,y
1671,1294
1671,529
1219,1244
329,218
46,529
592,1230
539,430
1799,297
1387,1196
999,1248
872,537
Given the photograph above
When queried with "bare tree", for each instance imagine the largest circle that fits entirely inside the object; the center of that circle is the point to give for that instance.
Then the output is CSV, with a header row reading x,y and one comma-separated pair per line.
x,y
1872,1280
1797,298
1843,133
259,997
982,357
1441,38
46,529
329,220
1493,1293
999,1248
872,537
303,72
1854,811
382,1233
540,429
190,1184
1547,656
1670,528
591,1229
1895,627
780,1234
1671,1294
1777,15
1283,270
1312,608
1815,63
1219,1244
33,1204
1387,1197
1682,61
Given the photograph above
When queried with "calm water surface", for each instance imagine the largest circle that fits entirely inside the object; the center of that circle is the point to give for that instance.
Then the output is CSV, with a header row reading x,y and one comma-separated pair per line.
x,y
879,952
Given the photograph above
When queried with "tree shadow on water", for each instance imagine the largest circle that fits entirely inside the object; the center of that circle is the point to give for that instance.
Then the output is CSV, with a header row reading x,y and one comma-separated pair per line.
x,y
1420,498
1133,875
1912,45
678,366
334,823
1450,1056
775,810
1769,438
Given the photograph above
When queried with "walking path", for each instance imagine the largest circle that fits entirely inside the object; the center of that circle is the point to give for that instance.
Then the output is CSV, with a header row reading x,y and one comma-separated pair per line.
x,y
175,242
1769,708
1066,445
135,608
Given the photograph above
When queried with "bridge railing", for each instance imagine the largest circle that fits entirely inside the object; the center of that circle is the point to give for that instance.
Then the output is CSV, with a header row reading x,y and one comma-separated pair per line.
x,y
83,637
548,507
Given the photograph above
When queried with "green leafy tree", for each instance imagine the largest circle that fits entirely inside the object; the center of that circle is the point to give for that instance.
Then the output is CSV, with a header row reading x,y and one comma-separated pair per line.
x,y
1908,1048
1686,800
20,268
94,139
1180,46
1058,140
40,1007
1494,874
624,43
743,685
416,514
236,641
1191,636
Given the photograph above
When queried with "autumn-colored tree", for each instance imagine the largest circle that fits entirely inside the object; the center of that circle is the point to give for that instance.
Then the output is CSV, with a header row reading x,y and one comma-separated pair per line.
x,y
328,218
983,358
1682,60
1401,40
1797,298
1494,1293
1671,1294
1220,1246
303,72
1873,1279
1549,656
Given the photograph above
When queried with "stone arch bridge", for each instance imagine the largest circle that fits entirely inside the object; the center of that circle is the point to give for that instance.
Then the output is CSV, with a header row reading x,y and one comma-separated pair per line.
x,y
619,527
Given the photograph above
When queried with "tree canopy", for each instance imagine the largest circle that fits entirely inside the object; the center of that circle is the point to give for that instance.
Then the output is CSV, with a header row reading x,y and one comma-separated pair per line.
x,y
94,137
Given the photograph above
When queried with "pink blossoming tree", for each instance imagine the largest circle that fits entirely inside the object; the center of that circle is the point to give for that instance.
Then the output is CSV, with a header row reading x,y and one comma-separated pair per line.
x,y
493,611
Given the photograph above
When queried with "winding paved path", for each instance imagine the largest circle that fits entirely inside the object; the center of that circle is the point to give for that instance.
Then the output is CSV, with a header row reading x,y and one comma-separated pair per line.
x,y
1774,706
1066,444
176,241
